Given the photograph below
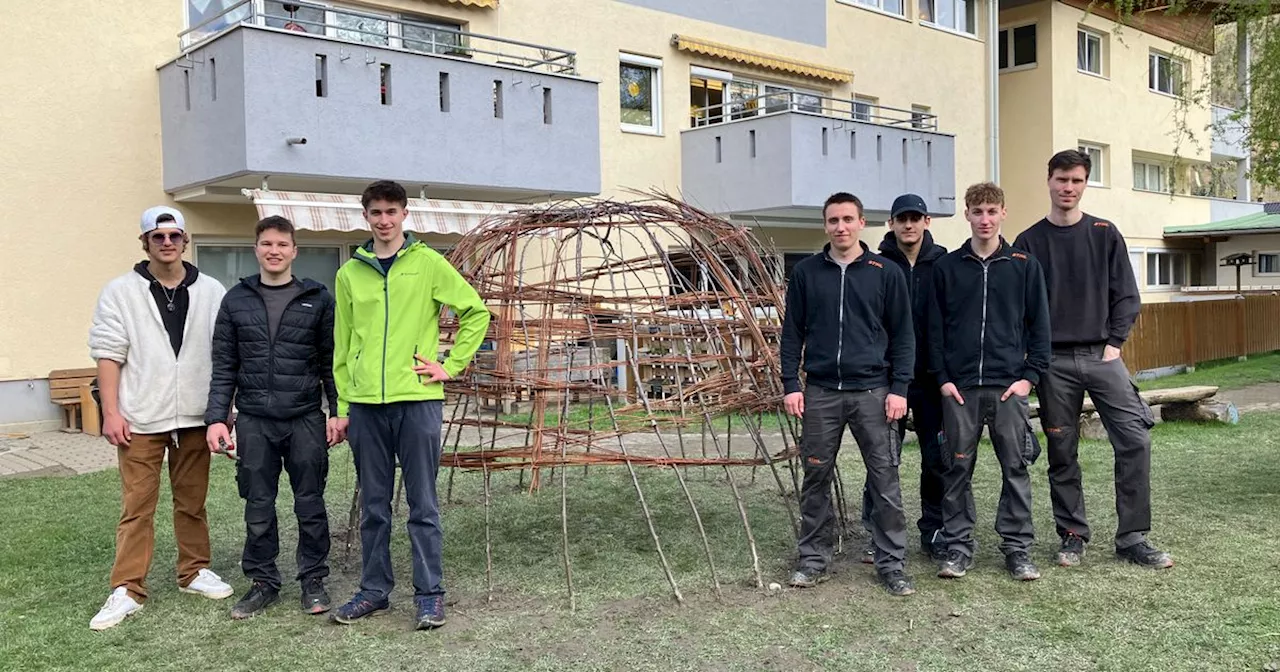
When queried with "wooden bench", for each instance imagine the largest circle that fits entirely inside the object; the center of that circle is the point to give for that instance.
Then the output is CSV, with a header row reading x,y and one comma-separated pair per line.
x,y
1196,402
70,389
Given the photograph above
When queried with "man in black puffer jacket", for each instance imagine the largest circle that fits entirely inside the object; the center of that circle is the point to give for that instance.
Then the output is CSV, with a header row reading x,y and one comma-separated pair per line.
x,y
910,245
273,354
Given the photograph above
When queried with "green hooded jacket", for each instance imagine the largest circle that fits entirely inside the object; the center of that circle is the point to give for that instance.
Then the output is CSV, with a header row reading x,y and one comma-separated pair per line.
x,y
383,319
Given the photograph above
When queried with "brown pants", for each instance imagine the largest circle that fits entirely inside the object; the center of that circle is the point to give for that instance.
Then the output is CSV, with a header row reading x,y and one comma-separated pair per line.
x,y
140,465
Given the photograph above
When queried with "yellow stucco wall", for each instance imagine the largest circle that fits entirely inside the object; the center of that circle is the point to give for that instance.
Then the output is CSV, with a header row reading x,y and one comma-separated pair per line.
x,y
83,155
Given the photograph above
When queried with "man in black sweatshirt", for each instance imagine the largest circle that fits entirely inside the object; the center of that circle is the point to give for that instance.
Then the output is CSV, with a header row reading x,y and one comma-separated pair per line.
x,y
1093,302
910,245
989,343
848,315
273,355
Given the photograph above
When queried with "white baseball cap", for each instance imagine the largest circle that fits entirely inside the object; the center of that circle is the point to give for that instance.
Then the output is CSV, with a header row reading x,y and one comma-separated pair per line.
x,y
150,224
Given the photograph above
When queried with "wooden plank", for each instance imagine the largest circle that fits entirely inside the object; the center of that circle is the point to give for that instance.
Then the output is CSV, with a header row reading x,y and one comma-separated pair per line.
x,y
65,393
64,383
72,373
68,401
90,419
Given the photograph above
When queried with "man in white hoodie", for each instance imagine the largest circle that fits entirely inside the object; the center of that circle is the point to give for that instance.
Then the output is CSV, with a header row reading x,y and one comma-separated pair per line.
x,y
151,336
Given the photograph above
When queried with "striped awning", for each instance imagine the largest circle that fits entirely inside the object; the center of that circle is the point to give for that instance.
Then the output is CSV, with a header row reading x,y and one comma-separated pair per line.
x,y
487,4
759,60
311,211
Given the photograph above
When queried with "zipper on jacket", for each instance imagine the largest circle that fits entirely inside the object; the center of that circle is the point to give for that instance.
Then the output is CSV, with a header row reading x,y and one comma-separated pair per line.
x,y
386,325
982,334
840,331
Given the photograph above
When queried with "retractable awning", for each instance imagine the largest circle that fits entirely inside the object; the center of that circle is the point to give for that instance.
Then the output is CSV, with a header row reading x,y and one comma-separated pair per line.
x,y
759,59
311,211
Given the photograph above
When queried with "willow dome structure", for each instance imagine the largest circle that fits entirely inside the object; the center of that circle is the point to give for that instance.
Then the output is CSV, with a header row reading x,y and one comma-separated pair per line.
x,y
640,334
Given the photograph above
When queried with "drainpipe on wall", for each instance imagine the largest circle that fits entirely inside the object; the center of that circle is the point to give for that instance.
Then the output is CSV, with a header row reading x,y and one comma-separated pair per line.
x,y
993,89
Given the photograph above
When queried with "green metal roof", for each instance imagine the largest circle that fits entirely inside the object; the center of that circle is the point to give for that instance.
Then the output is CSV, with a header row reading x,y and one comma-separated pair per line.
x,y
1267,221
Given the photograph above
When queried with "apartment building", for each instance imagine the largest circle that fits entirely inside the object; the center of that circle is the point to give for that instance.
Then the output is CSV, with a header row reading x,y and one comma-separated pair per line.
x,y
1131,96
231,109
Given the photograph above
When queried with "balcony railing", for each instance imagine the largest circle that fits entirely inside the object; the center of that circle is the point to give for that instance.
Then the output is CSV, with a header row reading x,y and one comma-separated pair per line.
x,y
382,30
798,101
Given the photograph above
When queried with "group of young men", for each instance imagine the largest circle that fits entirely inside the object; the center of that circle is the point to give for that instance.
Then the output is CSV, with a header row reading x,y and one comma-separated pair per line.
x,y
176,352
962,338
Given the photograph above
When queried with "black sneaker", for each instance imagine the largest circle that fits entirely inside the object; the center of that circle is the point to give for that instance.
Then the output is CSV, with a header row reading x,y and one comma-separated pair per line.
x,y
1146,555
1020,566
358,608
1072,550
430,612
955,565
315,599
869,553
807,578
897,583
254,602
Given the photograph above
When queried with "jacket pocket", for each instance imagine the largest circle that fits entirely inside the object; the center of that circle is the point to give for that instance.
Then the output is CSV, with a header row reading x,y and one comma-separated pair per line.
x,y
1148,417
1030,446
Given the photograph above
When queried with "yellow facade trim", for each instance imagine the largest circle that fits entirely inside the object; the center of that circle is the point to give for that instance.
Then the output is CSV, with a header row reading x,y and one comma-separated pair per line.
x,y
487,4
760,60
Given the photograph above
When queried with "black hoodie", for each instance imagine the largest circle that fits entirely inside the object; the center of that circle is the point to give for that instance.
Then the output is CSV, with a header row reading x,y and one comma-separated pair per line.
x,y
989,318
919,280
853,324
172,303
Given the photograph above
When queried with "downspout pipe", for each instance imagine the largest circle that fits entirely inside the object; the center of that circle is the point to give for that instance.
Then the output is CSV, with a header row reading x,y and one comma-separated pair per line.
x,y
993,89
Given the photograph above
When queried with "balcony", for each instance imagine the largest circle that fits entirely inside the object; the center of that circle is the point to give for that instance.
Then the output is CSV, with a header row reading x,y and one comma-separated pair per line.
x,y
318,105
780,155
1228,135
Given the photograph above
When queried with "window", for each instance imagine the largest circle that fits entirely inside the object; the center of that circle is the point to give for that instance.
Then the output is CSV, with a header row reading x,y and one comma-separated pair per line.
x,y
1165,74
295,16
1097,156
432,36
1268,263
731,96
706,95
640,93
956,15
890,6
1135,263
227,263
864,108
689,274
789,261
1150,176
921,117
1088,51
1018,47
1170,269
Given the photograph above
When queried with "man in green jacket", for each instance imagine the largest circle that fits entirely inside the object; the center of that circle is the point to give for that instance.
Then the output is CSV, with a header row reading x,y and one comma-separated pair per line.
x,y
391,391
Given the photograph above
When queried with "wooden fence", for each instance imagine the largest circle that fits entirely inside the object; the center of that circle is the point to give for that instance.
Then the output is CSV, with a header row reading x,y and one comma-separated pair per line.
x,y
1190,332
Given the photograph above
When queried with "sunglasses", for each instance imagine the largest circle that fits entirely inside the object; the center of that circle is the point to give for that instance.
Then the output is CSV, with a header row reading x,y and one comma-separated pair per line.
x,y
173,237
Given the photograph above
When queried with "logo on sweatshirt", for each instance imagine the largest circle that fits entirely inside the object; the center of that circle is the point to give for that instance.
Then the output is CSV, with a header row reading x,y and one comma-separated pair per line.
x,y
306,305
1018,255
1102,223
875,263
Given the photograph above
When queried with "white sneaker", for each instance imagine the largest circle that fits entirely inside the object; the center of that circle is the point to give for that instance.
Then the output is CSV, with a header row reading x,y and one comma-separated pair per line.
x,y
209,585
119,605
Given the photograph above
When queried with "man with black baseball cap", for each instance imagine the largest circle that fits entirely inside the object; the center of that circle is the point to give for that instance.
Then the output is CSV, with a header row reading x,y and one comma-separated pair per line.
x,y
910,245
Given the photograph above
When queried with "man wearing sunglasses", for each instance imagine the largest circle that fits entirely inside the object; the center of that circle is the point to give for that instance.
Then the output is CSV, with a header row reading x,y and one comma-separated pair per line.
x,y
151,336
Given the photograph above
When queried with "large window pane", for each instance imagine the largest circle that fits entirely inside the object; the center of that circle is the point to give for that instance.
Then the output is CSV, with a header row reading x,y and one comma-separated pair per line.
x,y
318,263
355,28
1269,263
229,263
1024,45
427,37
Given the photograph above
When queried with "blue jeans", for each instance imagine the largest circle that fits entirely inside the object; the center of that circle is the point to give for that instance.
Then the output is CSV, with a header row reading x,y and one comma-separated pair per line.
x,y
379,435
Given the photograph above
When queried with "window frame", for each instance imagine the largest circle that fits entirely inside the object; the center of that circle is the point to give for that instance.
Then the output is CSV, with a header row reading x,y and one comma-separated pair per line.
x,y
969,7
1164,172
655,92
1257,263
1089,33
871,102
1098,172
1190,260
878,6
1177,76
1005,41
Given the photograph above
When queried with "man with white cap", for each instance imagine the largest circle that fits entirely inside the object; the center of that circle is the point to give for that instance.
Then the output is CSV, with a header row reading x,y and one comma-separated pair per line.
x,y
151,336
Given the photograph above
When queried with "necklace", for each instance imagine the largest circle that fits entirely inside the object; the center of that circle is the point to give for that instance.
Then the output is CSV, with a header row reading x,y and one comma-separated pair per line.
x,y
168,296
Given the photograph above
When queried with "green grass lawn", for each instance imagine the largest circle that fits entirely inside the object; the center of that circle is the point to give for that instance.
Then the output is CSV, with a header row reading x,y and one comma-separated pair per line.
x,y
1228,374
1216,510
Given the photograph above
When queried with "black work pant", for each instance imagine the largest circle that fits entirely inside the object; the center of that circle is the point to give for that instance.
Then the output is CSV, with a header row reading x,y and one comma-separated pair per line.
x,y
926,415
1015,450
300,446
1128,421
826,415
